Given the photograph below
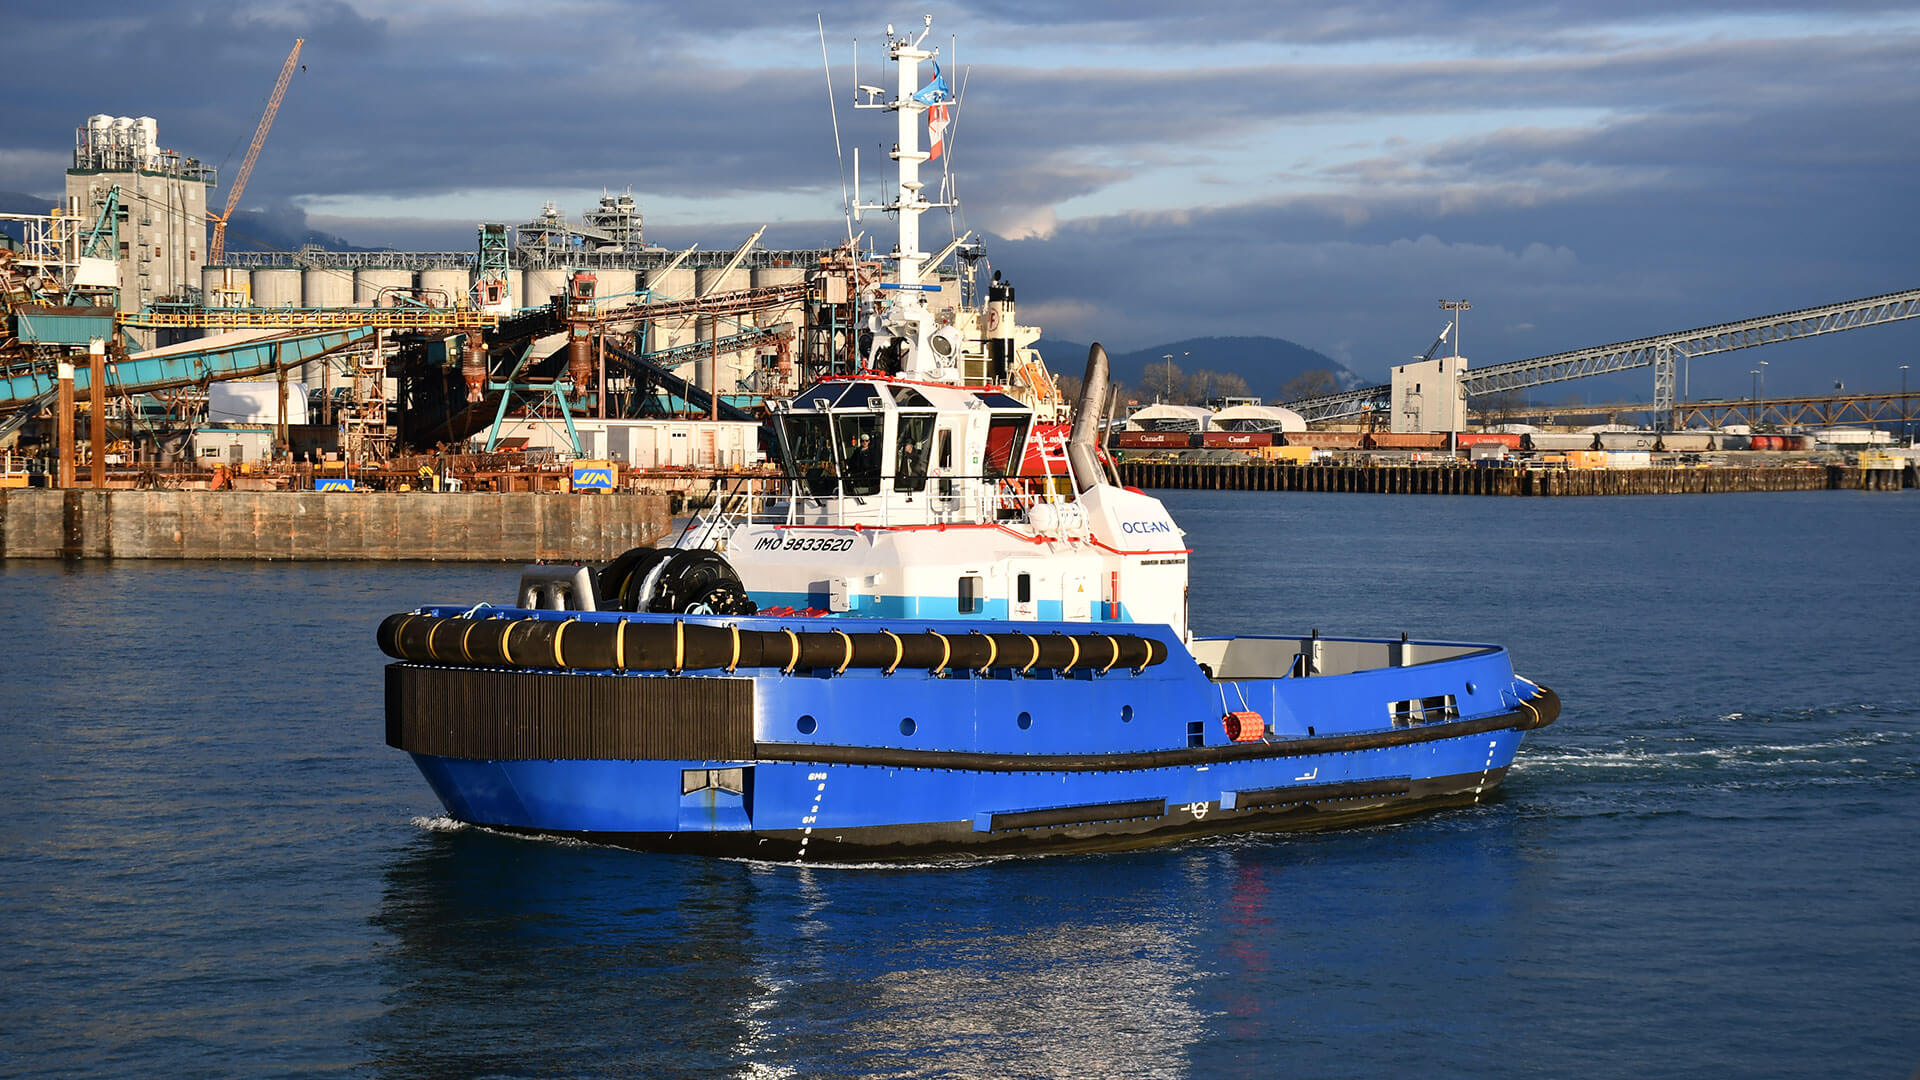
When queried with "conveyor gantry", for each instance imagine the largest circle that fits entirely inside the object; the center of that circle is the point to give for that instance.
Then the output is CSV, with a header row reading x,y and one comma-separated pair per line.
x,y
1661,351
450,320
194,363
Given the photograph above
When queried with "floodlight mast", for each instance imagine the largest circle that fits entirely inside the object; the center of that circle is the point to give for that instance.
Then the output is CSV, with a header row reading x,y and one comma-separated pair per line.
x,y
1456,306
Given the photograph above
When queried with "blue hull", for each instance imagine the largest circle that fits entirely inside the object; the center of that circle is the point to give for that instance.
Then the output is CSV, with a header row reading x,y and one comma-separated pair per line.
x,y
862,764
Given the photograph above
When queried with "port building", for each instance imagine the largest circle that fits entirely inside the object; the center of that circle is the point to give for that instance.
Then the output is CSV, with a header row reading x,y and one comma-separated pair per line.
x,y
155,199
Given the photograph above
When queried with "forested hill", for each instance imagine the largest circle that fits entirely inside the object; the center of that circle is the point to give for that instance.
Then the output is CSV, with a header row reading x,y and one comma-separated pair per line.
x,y
1267,364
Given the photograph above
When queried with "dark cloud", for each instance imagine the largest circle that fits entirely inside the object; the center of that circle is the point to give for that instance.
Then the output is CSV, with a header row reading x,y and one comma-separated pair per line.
x,y
1725,175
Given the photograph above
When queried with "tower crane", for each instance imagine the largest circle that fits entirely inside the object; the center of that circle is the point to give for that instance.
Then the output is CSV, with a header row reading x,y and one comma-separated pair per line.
x,y
217,251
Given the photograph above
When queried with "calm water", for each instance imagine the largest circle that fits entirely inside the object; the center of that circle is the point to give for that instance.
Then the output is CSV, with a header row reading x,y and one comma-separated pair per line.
x,y
214,867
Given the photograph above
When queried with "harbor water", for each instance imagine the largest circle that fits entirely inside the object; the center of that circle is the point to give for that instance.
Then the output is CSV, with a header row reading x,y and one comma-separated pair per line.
x,y
213,866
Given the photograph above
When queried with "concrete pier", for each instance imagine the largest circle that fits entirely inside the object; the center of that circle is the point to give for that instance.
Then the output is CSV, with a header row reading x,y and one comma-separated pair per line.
x,y
462,527
1430,480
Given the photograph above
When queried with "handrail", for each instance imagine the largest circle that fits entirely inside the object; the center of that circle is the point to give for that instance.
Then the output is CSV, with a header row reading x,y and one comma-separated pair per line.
x,y
985,500
313,318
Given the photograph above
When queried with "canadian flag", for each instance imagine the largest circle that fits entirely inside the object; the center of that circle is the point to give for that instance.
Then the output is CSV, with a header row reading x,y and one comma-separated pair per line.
x,y
936,130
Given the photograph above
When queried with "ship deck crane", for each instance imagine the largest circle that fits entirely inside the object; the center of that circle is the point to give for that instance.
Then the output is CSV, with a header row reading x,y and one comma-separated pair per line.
x,y
217,250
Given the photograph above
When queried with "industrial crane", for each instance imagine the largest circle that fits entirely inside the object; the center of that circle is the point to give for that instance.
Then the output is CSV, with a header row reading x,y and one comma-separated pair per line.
x,y
217,251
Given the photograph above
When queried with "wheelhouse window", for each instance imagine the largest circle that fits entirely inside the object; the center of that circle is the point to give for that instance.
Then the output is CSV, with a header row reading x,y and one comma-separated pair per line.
x,y
819,396
862,395
809,447
857,434
913,441
1006,439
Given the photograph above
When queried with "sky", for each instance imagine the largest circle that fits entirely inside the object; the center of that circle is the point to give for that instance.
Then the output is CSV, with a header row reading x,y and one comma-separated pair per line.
x,y
1581,173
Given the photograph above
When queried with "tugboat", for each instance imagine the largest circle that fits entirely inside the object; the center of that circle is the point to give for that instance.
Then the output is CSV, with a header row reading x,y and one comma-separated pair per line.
x,y
915,648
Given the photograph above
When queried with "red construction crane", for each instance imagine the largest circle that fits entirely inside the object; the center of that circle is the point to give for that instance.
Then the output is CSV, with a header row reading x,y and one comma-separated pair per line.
x,y
217,251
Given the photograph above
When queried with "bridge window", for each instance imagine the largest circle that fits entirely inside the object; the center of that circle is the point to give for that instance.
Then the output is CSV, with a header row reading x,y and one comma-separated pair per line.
x,y
857,435
809,449
945,459
914,447
1006,439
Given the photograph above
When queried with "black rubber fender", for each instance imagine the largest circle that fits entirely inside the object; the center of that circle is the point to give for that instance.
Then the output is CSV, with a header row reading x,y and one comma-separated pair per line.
x,y
688,577
621,578
576,644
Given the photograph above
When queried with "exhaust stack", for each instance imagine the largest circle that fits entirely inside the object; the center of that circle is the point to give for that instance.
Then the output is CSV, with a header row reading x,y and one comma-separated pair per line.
x,y
1082,458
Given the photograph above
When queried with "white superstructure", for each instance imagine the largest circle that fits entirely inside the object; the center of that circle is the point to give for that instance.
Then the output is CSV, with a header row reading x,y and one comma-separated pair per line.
x,y
905,495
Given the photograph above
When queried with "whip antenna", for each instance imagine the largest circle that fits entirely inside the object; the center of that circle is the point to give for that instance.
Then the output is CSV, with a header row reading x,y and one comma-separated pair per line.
x,y
833,110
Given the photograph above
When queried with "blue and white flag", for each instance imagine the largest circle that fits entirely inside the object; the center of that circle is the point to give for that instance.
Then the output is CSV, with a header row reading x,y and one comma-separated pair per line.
x,y
936,91
935,95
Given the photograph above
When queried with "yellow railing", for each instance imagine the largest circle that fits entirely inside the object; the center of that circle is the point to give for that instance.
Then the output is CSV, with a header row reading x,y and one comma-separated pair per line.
x,y
314,318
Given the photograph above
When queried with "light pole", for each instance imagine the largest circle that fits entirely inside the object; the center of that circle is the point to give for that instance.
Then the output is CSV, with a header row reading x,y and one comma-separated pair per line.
x,y
1754,420
1167,373
1454,395
1763,384
1906,407
1456,306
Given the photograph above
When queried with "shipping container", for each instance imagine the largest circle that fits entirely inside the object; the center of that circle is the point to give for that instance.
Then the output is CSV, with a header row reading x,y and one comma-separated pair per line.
x,y
1292,455
1154,440
1407,440
1490,438
1236,440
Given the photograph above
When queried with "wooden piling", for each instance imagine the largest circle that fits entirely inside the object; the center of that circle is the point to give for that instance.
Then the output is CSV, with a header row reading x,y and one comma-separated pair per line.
x,y
1465,480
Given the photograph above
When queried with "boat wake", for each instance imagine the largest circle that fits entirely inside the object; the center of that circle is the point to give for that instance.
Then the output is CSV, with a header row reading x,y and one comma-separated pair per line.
x,y
1687,765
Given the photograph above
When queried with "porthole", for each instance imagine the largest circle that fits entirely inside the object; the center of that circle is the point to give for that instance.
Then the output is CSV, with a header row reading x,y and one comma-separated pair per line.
x,y
1024,721
807,725
1126,714
907,726
1470,688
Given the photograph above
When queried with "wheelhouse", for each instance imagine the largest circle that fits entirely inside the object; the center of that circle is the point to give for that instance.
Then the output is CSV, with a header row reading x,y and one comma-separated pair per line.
x,y
883,451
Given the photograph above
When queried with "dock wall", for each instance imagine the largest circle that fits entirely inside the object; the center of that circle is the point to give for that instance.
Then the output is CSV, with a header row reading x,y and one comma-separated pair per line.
x,y
463,527
1429,480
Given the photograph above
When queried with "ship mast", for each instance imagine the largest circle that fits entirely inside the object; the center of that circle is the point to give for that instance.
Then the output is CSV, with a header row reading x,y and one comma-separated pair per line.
x,y
906,320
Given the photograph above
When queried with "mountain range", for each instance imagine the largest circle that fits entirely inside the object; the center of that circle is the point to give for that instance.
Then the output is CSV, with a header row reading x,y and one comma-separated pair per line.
x,y
276,228
1266,363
